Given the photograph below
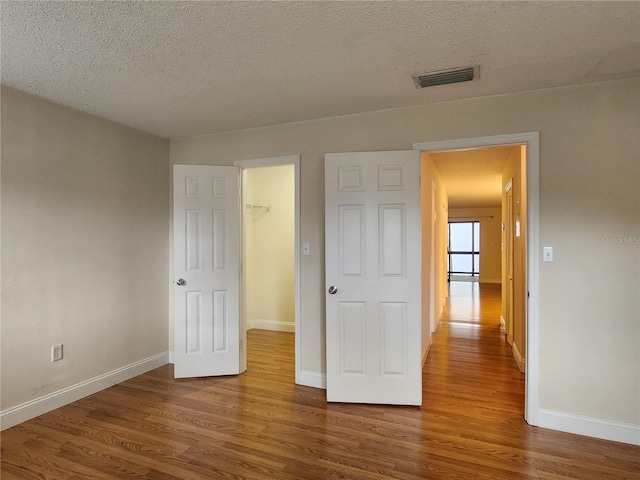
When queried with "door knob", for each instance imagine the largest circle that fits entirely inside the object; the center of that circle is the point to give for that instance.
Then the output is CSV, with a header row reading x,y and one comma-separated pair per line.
x,y
182,282
333,290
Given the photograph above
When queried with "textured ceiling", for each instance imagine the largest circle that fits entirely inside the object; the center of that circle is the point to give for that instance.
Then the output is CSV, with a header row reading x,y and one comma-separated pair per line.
x,y
474,178
188,68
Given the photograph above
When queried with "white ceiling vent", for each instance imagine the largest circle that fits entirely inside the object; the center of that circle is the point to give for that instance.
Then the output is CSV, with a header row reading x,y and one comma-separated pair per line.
x,y
444,77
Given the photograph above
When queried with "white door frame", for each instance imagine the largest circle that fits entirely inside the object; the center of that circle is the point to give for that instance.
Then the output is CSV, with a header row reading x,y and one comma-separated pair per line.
x,y
532,140
271,162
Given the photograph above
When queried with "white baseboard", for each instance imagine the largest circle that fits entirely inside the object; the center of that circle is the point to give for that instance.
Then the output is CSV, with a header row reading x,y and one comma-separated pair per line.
x,y
274,325
31,409
591,427
312,379
425,354
518,356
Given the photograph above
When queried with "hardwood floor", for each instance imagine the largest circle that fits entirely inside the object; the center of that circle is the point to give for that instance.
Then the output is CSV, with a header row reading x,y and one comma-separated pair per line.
x,y
259,425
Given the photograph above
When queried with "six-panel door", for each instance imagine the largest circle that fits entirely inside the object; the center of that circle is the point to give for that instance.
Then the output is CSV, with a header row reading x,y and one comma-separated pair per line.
x,y
206,260
372,258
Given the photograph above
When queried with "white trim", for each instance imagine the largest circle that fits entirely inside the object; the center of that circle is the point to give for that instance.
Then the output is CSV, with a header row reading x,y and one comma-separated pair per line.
x,y
425,354
273,325
532,140
31,409
295,161
473,143
268,162
589,426
518,357
311,379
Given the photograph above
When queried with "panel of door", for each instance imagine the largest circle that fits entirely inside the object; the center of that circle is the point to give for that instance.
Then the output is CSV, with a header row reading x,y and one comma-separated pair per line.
x,y
206,287
372,256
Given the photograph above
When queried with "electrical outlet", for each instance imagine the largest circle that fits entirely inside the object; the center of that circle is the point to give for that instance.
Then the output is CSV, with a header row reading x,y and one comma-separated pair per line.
x,y
56,352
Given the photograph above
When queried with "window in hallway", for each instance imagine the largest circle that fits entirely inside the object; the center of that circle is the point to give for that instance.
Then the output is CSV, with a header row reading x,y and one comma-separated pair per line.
x,y
464,251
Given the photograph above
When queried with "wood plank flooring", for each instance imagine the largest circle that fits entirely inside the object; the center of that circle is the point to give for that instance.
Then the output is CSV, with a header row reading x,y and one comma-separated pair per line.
x,y
259,425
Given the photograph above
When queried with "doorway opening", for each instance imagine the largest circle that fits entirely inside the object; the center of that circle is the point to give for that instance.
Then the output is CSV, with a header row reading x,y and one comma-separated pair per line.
x,y
268,230
523,172
270,256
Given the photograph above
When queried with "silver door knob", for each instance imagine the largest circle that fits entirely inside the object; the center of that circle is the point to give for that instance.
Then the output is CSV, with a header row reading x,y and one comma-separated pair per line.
x,y
333,290
182,282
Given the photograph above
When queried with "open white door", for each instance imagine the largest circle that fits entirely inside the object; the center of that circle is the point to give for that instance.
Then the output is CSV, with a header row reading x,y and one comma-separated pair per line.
x,y
373,273
206,286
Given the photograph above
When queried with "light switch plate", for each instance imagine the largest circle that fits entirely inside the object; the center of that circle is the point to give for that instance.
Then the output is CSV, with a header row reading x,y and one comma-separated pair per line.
x,y
306,250
547,254
56,352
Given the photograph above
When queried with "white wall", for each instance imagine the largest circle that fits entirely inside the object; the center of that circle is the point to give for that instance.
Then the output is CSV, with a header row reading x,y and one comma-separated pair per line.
x,y
589,182
269,248
85,224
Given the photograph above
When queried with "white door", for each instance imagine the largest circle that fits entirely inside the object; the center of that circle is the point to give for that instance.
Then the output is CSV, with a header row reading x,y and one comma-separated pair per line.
x,y
372,256
206,287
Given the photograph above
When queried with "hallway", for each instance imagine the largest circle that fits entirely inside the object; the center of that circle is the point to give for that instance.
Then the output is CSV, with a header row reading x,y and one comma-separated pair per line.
x,y
470,366
473,303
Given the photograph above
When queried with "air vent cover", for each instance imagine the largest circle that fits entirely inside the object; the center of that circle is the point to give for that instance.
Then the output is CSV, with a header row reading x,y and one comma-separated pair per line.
x,y
444,77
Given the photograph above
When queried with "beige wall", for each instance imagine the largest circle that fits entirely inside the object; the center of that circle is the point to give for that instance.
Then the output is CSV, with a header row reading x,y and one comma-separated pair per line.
x,y
589,180
269,267
515,172
434,237
442,247
490,239
84,246
519,334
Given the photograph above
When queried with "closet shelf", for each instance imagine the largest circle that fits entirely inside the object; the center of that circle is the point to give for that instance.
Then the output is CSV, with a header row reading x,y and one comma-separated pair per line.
x,y
256,212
